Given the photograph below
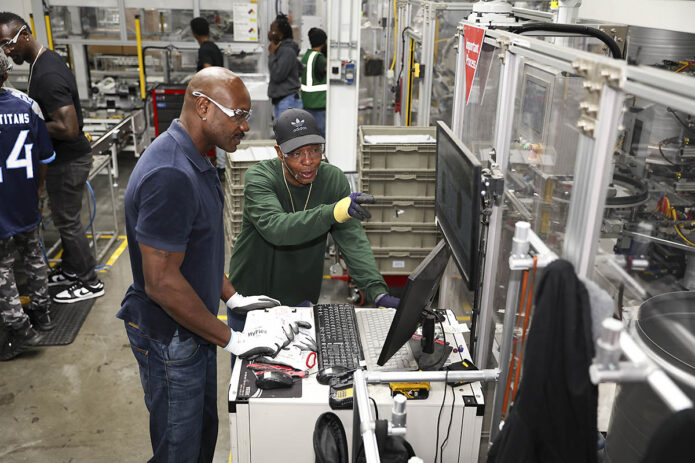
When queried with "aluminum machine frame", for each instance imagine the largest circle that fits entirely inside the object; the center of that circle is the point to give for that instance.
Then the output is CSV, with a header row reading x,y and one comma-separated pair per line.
x,y
606,84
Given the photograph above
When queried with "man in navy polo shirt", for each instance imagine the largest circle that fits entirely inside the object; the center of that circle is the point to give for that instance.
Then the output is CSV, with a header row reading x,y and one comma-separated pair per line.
x,y
173,209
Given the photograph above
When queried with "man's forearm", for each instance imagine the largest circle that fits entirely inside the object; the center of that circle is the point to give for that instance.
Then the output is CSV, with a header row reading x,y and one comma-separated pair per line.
x,y
227,289
59,131
178,299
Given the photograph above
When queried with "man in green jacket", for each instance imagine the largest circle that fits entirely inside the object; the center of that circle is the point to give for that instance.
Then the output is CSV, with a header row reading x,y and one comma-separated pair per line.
x,y
290,204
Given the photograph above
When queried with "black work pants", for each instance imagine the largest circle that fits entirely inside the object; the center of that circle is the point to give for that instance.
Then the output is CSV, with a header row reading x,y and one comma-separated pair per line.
x,y
65,184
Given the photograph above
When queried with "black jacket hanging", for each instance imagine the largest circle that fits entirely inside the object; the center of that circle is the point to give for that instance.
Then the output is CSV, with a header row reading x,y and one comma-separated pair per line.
x,y
554,416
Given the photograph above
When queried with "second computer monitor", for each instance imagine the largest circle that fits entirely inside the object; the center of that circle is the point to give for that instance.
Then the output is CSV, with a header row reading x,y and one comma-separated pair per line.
x,y
457,201
420,289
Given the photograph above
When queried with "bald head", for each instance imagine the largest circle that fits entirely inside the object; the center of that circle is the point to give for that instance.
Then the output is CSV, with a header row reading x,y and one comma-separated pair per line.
x,y
204,119
218,83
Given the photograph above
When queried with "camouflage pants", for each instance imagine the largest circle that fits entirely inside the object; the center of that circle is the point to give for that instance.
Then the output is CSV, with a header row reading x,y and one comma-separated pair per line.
x,y
29,248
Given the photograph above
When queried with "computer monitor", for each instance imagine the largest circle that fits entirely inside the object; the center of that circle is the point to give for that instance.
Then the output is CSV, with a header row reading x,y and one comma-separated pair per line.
x,y
457,201
419,290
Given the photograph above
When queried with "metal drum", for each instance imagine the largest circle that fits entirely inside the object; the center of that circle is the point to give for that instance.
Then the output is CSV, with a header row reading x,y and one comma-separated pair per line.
x,y
666,331
651,46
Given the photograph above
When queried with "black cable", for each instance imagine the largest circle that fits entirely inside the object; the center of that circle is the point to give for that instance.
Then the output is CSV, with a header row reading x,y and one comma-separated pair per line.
x,y
640,192
661,152
475,309
575,28
446,380
451,419
376,410
680,121
439,417
453,397
400,73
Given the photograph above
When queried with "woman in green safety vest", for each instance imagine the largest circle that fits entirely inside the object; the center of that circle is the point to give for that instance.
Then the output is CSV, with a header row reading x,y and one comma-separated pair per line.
x,y
314,78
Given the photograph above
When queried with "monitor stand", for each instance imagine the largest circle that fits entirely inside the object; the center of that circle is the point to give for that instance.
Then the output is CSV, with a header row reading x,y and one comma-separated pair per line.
x,y
430,362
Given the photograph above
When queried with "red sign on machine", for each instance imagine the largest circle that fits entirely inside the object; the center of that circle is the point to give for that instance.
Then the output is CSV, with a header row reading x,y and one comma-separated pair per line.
x,y
473,37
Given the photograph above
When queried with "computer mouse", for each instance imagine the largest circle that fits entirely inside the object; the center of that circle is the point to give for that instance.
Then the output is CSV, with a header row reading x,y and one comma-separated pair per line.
x,y
273,380
324,376
303,324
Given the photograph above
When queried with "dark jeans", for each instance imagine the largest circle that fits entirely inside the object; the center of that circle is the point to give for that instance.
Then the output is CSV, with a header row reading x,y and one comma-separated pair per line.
x,y
180,384
288,102
65,184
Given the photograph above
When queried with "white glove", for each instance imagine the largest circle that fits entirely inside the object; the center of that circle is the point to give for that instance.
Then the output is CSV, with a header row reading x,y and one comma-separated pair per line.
x,y
260,340
292,356
244,304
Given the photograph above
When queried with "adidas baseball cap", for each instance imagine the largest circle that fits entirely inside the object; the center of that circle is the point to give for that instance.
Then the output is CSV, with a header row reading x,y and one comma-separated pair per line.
x,y
296,128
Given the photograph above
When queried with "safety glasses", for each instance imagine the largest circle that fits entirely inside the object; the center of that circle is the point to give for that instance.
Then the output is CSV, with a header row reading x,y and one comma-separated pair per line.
x,y
313,152
238,115
11,43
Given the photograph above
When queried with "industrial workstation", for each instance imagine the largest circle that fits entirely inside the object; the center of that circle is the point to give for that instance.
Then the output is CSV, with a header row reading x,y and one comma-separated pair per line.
x,y
332,231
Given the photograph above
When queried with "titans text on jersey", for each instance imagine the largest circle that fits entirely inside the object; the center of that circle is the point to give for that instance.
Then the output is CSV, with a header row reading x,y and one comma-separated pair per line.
x,y
6,119
24,145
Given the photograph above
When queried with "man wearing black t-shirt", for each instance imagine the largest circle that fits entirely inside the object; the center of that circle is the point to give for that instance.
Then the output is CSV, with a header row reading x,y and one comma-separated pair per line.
x,y
53,87
209,54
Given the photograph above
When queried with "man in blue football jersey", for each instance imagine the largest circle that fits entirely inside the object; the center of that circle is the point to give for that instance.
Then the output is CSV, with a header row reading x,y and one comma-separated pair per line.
x,y
52,85
25,149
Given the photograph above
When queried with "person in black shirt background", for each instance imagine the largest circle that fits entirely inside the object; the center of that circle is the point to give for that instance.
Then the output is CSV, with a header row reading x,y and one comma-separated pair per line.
x,y
53,87
209,54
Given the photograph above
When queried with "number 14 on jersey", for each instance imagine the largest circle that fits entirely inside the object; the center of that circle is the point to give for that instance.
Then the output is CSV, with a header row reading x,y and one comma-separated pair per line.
x,y
15,162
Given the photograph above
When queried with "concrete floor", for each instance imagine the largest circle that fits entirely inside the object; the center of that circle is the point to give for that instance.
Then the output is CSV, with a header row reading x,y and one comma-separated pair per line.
x,y
83,402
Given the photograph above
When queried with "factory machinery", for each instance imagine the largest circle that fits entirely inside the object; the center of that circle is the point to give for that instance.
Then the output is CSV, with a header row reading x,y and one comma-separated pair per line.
x,y
413,56
410,60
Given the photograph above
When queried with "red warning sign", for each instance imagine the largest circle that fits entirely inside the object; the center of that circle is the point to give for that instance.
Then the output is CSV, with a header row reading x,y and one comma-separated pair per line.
x,y
473,37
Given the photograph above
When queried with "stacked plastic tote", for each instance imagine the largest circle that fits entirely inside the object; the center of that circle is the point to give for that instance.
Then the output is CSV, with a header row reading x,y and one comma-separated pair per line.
x,y
246,155
397,166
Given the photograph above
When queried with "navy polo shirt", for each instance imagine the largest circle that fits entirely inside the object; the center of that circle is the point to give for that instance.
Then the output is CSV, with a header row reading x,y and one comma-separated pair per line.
x,y
174,202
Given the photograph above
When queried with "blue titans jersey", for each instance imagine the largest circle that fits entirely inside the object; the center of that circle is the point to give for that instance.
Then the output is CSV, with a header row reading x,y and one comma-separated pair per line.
x,y
24,144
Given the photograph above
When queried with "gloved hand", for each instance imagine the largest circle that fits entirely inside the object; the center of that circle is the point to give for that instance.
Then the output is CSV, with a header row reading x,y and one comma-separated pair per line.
x,y
244,304
303,340
266,339
350,206
292,356
386,300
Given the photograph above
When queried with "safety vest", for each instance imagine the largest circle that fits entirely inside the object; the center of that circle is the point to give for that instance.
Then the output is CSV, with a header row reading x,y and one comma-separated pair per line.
x,y
313,91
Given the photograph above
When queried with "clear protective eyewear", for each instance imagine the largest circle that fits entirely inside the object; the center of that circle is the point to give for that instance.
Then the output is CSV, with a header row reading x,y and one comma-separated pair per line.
x,y
13,41
314,152
239,115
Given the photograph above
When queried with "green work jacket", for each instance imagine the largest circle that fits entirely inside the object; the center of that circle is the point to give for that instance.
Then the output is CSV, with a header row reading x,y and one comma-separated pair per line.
x,y
280,253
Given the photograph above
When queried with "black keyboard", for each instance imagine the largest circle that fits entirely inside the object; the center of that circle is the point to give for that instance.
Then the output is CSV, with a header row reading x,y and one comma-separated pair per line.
x,y
337,336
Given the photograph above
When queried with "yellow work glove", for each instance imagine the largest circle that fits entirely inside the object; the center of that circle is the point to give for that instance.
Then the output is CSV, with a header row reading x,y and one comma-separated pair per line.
x,y
350,206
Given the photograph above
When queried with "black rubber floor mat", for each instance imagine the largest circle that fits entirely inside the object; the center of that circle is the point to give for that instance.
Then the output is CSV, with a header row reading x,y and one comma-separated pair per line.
x,y
68,319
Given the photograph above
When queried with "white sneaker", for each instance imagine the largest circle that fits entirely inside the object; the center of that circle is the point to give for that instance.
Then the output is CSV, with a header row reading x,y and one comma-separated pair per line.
x,y
79,291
